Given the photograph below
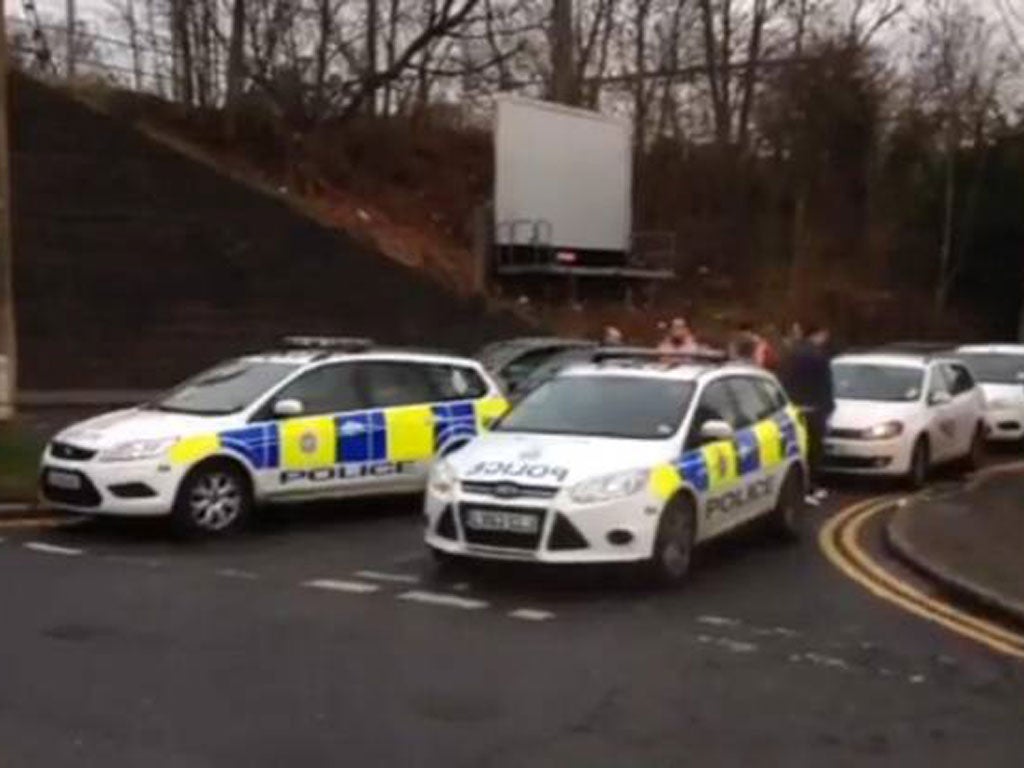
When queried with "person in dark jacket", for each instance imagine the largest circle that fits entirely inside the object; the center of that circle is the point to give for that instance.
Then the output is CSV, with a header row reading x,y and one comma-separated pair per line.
x,y
808,380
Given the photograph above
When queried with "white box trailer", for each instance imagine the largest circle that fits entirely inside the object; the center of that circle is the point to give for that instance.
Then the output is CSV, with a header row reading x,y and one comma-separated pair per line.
x,y
563,179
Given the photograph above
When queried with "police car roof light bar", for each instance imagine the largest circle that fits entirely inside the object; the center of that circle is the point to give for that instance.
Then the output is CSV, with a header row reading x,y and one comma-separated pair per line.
x,y
329,343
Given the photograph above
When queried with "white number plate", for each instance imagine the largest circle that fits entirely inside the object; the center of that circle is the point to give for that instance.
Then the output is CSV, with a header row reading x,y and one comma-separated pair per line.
x,y
486,520
66,480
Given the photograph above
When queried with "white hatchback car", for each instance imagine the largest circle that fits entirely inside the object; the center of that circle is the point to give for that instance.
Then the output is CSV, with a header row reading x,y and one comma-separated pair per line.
x,y
324,418
999,369
619,462
901,414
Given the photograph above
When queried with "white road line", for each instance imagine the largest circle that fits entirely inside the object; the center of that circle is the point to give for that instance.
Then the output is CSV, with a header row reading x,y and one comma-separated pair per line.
x,y
531,614
17,508
718,621
337,585
397,578
52,549
439,598
234,573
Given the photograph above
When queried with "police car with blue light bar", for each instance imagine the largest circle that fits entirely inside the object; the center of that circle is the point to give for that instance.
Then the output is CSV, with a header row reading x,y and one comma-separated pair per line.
x,y
629,458
318,418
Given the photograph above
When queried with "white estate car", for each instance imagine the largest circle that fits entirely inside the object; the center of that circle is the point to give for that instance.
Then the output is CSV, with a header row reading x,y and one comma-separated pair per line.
x,y
329,418
901,414
999,370
623,461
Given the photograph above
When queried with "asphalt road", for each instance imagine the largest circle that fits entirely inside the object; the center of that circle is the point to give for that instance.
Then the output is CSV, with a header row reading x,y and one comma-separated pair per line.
x,y
325,637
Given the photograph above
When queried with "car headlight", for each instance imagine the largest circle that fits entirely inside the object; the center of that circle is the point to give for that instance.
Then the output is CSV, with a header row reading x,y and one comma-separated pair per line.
x,y
884,431
607,487
136,450
443,480
998,405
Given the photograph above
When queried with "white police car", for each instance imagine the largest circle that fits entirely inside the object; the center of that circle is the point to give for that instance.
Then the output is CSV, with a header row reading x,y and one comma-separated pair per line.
x,y
999,371
623,462
900,414
322,418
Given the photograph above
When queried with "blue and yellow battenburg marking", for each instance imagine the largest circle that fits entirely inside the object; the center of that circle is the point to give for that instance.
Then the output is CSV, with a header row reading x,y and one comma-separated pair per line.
x,y
718,465
401,434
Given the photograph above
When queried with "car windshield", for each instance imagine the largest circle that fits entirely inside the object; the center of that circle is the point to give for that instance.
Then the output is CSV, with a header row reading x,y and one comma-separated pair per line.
x,y
228,388
605,406
886,383
992,368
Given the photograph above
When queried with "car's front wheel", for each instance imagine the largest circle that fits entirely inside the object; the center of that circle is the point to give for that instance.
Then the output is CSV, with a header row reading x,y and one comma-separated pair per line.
x,y
920,465
790,513
214,499
674,543
976,453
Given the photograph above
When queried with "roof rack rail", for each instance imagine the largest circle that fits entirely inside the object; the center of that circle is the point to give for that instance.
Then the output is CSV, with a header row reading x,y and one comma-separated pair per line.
x,y
644,354
342,343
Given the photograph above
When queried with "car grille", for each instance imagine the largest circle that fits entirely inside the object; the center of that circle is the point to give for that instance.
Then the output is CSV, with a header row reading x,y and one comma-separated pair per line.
x,y
84,496
69,452
856,462
509,490
845,434
503,539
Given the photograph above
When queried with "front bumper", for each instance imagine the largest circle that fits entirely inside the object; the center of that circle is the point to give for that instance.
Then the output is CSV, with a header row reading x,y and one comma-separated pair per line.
x,y
620,531
131,489
1005,425
865,457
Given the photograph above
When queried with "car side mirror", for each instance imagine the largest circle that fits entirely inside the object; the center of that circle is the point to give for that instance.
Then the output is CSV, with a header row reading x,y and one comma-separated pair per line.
x,y
715,430
288,408
940,398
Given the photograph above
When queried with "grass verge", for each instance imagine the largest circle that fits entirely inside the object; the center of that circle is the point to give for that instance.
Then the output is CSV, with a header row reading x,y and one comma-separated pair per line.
x,y
19,462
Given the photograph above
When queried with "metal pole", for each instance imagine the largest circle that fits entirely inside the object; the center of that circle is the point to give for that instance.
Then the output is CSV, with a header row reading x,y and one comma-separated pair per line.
x,y
71,38
8,340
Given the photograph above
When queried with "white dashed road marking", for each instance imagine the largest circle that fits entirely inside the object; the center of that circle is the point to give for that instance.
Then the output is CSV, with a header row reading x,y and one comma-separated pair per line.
x,y
336,585
234,573
396,578
53,549
718,621
439,598
531,614
735,646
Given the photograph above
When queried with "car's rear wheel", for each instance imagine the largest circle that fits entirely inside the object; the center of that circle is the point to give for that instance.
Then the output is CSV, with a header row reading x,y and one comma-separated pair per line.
x,y
920,465
672,558
214,499
790,514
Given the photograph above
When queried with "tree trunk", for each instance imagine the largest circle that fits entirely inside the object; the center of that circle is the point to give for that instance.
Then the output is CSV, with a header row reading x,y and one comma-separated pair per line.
x,y
236,64
942,285
760,12
371,56
389,53
181,35
946,245
562,75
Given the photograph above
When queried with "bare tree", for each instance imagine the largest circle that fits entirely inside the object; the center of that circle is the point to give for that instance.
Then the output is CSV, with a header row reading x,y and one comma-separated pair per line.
x,y
960,72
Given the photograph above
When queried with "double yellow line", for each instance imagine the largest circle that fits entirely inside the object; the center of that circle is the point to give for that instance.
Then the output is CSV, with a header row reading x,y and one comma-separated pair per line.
x,y
839,541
